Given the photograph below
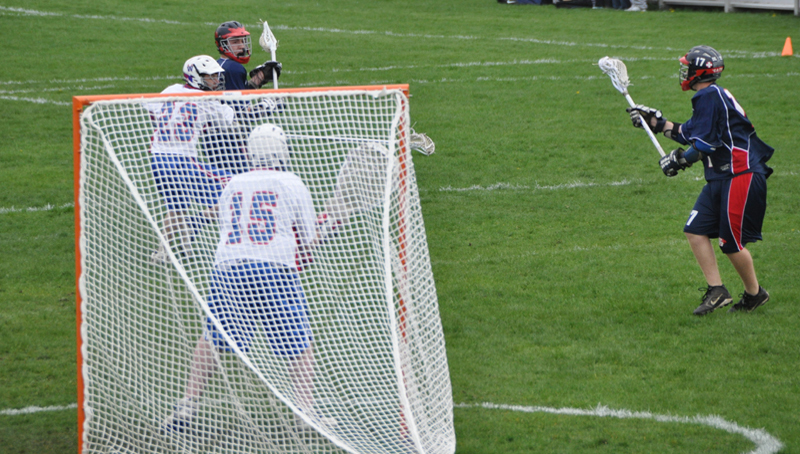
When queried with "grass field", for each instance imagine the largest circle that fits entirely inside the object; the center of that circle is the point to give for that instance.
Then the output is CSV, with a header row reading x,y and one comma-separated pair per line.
x,y
565,284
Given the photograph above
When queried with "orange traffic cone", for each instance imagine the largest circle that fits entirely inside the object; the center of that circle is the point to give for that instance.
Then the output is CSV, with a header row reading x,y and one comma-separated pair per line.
x,y
787,48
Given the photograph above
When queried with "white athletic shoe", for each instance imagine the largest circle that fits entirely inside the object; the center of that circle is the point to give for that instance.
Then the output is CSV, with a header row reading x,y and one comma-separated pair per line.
x,y
635,9
181,419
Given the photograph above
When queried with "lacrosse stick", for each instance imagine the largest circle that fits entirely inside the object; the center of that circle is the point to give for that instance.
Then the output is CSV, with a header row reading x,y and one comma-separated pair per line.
x,y
421,142
361,182
616,70
360,186
269,44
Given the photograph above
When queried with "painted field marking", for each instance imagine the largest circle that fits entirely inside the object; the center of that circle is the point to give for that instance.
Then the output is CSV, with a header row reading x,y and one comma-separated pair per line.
x,y
765,443
47,207
34,409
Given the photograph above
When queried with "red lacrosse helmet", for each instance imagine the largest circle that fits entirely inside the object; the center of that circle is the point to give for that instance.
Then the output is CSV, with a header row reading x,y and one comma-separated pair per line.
x,y
233,41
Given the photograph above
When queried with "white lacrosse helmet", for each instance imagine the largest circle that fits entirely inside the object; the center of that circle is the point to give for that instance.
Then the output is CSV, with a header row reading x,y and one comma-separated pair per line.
x,y
268,148
197,68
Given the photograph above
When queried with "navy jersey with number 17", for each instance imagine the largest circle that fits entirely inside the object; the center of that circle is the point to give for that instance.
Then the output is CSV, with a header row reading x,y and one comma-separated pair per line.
x,y
718,122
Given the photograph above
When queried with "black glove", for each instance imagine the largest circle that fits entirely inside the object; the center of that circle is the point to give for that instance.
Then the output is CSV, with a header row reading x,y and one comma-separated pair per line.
x,y
640,111
674,161
266,70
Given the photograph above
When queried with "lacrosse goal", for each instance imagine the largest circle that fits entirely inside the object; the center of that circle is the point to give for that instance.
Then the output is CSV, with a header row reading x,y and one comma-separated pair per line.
x,y
380,377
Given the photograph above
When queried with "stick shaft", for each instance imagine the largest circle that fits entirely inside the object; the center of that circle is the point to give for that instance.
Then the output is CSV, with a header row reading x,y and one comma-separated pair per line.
x,y
646,127
274,73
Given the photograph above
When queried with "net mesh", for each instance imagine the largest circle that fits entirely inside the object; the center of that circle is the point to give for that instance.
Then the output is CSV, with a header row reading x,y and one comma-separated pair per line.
x,y
376,379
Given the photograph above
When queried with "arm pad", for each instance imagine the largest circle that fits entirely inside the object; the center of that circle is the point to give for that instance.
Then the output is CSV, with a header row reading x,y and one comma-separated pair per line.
x,y
692,155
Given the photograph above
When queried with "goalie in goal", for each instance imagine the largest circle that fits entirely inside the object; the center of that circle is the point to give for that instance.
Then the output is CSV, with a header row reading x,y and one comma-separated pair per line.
x,y
267,223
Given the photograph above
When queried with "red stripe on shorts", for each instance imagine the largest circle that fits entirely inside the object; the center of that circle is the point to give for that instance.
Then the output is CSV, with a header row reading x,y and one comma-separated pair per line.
x,y
737,199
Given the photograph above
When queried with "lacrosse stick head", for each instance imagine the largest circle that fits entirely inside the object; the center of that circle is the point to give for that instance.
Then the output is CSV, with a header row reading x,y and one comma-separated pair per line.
x,y
421,142
267,40
361,182
616,70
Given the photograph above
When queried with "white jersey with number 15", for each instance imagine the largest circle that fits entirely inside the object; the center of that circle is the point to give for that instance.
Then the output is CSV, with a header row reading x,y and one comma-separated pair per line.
x,y
260,213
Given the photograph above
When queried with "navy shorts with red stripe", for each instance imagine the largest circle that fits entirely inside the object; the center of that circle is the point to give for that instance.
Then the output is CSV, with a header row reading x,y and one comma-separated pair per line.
x,y
731,210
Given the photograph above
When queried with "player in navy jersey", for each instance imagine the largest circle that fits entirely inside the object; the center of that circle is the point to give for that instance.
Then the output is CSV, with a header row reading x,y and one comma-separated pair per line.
x,y
732,204
235,47
266,218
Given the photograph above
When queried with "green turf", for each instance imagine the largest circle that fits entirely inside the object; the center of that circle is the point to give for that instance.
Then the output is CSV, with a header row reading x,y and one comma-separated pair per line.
x,y
563,277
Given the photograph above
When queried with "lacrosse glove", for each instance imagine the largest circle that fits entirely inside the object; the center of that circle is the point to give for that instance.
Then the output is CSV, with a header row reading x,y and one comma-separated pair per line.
x,y
674,161
266,70
640,111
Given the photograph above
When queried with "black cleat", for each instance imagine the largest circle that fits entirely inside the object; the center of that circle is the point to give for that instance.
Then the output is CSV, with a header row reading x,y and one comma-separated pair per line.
x,y
715,297
749,302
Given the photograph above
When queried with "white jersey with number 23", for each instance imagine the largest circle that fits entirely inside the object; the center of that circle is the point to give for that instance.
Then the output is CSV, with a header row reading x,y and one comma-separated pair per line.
x,y
180,124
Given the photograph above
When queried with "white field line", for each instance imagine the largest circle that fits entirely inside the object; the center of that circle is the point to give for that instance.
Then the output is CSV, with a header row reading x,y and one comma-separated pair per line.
x,y
729,53
11,95
490,188
536,187
47,207
496,186
765,443
14,95
31,410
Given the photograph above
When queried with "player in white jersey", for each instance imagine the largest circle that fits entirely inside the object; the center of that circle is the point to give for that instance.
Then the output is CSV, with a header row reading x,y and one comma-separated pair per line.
x,y
181,178
266,218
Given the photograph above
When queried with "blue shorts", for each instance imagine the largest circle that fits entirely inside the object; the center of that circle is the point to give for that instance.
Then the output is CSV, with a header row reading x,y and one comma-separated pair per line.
x,y
256,299
182,180
731,210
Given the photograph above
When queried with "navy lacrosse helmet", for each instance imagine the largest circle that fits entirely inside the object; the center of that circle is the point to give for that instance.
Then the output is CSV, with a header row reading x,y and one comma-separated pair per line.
x,y
700,64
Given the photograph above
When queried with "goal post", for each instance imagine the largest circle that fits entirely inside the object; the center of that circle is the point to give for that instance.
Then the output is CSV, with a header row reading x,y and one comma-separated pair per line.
x,y
353,360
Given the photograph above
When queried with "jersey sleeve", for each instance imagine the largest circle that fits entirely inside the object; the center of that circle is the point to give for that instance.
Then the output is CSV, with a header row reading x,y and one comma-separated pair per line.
x,y
703,126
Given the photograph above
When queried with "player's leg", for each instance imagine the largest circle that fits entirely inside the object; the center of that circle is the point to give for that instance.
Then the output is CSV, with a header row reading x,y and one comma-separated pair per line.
x,y
744,203
706,258
743,263
701,226
203,185
169,173
301,372
204,358
289,332
754,294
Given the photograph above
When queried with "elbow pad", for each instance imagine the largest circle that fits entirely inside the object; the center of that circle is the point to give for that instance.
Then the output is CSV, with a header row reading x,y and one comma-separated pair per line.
x,y
674,132
703,147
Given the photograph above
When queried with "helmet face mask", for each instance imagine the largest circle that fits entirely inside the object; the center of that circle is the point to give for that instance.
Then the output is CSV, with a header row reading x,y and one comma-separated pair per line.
x,y
204,73
234,42
700,64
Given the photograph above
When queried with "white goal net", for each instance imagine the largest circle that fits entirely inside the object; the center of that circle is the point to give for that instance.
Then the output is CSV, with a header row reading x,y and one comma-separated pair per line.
x,y
348,356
